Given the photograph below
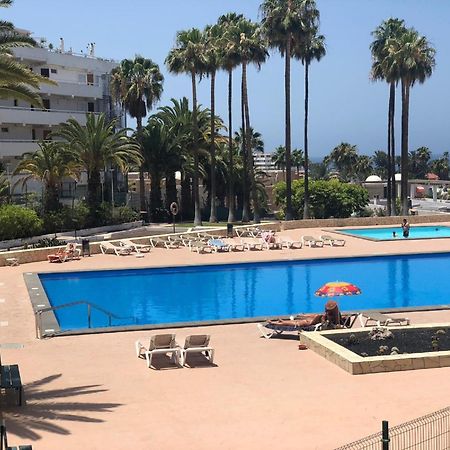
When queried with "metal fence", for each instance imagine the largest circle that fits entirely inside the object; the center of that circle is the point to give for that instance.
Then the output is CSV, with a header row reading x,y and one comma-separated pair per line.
x,y
430,432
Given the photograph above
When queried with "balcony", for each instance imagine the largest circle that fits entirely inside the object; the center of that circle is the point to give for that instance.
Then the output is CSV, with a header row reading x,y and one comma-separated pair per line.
x,y
72,89
16,147
27,116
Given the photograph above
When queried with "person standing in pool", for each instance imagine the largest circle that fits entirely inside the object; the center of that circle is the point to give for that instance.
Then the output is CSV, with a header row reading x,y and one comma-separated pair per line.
x,y
405,228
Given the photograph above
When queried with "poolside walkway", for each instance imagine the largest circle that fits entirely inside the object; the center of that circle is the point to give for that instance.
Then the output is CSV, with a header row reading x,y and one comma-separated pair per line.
x,y
91,391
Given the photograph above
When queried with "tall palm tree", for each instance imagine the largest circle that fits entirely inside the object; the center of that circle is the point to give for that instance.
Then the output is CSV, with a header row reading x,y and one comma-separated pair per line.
x,y
279,159
298,159
252,50
16,79
97,146
308,49
286,22
230,60
344,157
187,57
383,68
138,85
49,164
212,54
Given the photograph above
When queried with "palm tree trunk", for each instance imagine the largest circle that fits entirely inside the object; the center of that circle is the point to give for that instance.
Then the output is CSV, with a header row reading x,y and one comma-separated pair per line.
x,y
171,188
186,197
245,194
305,143
231,200
155,197
93,195
248,141
197,207
392,162
213,213
405,162
287,92
142,200
389,158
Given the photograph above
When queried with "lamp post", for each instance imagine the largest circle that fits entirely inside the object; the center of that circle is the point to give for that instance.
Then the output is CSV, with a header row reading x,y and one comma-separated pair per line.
x,y
112,187
9,176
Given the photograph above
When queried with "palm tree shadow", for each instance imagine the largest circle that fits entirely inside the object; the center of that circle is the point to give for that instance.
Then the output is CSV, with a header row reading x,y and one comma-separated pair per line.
x,y
44,409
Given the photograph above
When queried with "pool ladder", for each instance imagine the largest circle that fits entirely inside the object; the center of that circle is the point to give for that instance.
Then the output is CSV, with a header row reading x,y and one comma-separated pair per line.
x,y
38,315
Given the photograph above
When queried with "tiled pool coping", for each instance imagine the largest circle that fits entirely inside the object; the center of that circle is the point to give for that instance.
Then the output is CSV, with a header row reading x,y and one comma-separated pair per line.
x,y
358,365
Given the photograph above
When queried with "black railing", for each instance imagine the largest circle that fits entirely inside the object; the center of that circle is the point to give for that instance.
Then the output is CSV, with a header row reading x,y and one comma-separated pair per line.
x,y
3,437
430,432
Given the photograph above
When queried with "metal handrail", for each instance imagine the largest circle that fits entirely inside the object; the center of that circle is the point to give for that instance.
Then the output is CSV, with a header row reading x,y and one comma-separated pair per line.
x,y
90,305
3,437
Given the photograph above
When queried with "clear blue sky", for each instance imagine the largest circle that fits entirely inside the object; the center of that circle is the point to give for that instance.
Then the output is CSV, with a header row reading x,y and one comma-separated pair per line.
x,y
345,105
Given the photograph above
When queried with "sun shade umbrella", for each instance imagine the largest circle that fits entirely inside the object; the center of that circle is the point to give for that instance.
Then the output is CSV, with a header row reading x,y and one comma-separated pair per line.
x,y
337,289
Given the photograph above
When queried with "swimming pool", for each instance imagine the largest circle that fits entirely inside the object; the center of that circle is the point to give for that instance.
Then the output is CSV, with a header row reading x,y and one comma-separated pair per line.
x,y
387,233
235,291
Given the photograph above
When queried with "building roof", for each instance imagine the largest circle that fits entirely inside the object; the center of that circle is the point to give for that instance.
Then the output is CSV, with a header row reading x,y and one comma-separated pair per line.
x,y
373,178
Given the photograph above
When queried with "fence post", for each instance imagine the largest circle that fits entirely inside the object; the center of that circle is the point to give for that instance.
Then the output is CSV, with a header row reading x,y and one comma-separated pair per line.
x,y
385,435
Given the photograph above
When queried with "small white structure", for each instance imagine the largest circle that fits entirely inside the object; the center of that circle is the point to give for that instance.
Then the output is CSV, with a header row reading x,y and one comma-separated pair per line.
x,y
373,179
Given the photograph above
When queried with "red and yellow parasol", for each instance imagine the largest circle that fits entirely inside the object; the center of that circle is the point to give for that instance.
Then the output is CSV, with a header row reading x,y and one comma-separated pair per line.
x,y
337,289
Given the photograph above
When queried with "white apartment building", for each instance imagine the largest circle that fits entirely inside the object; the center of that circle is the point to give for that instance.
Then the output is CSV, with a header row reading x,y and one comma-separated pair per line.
x,y
263,161
82,86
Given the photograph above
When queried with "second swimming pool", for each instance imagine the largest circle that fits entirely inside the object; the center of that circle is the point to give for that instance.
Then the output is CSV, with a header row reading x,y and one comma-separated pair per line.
x,y
232,291
396,233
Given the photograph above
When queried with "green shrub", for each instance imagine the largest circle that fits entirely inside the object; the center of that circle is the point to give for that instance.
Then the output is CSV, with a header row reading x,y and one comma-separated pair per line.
x,y
18,222
66,219
328,198
124,214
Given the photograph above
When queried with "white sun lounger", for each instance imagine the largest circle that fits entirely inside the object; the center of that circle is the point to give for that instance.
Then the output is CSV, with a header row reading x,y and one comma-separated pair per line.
x,y
200,247
234,245
310,241
197,343
288,242
331,241
136,247
107,247
252,243
160,344
166,243
372,318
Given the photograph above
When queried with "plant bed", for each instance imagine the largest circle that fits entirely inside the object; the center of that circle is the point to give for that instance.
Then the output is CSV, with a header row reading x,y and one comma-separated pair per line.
x,y
417,347
383,341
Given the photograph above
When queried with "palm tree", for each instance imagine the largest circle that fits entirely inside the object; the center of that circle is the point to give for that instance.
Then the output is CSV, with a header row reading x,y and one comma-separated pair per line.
x,y
279,159
344,157
251,50
298,159
49,164
311,48
414,57
16,79
441,166
97,146
137,85
363,167
381,164
286,22
230,60
187,57
213,54
383,68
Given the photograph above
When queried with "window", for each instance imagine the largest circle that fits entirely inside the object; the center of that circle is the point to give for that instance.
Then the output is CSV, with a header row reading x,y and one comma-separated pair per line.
x,y
33,134
46,103
46,135
90,79
45,72
91,107
53,71
5,130
16,102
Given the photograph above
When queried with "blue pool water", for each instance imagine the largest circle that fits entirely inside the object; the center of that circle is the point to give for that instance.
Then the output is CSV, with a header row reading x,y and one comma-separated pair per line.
x,y
385,234
200,293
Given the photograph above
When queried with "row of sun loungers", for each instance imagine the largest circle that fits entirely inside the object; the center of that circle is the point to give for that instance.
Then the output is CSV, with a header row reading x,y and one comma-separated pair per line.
x,y
206,243
166,344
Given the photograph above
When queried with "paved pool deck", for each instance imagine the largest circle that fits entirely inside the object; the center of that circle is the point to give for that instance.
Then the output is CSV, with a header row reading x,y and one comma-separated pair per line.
x,y
92,392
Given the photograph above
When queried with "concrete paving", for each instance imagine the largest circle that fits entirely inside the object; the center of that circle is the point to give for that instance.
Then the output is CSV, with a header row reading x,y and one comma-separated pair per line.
x,y
92,392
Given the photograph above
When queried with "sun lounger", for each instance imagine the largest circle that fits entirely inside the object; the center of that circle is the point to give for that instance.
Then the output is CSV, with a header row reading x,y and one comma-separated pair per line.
x,y
67,254
160,344
287,242
218,245
197,343
108,247
200,247
252,243
310,241
373,318
162,242
331,241
234,245
136,247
